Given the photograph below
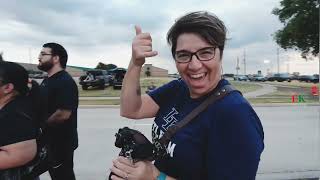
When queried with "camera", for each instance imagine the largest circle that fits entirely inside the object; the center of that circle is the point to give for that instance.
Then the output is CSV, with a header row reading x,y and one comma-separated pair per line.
x,y
134,145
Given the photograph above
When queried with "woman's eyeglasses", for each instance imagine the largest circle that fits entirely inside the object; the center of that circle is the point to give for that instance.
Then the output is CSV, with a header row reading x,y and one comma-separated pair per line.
x,y
204,54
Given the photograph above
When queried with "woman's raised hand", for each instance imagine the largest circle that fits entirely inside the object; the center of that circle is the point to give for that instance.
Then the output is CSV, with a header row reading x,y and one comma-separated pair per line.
x,y
141,47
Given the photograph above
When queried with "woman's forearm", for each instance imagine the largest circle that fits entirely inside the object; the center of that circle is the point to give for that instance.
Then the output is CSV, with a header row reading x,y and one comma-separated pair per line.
x,y
18,154
131,92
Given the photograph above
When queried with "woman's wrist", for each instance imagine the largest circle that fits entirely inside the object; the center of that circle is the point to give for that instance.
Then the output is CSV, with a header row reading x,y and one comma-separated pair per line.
x,y
158,175
161,176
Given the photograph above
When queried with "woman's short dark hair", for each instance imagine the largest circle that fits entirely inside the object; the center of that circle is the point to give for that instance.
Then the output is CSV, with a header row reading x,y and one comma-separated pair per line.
x,y
203,23
14,73
58,50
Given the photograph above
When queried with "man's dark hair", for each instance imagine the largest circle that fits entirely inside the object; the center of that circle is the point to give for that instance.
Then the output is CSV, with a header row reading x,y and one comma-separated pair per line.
x,y
203,23
58,50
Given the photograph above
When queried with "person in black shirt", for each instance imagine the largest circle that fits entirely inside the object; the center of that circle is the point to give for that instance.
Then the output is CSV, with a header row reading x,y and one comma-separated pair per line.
x,y
18,131
59,98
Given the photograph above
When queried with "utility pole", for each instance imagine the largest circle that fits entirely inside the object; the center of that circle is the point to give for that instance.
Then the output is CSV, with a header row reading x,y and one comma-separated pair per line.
x,y
1,57
30,61
278,60
244,62
237,67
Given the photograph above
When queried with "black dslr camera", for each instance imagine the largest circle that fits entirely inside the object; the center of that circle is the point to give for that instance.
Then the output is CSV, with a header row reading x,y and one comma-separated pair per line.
x,y
134,145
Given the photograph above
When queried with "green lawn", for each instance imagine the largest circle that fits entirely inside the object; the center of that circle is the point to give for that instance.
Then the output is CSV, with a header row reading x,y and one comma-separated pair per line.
x,y
110,92
293,83
282,95
145,82
107,92
100,102
245,87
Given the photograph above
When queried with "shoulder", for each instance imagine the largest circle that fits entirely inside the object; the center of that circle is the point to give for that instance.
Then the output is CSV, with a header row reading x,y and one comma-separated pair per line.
x,y
234,104
65,79
169,91
172,86
175,83
236,114
65,76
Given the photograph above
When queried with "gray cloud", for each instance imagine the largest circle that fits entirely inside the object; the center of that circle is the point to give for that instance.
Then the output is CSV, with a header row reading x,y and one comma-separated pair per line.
x,y
89,26
82,23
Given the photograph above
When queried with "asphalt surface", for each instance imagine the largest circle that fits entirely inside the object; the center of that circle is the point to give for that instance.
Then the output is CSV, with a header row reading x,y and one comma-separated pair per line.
x,y
292,141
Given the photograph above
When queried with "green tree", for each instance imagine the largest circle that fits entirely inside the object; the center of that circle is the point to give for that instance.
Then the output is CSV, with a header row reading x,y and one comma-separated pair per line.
x,y
105,66
301,26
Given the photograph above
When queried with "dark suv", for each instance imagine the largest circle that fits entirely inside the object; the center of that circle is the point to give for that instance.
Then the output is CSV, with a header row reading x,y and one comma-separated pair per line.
x,y
95,78
280,77
309,78
117,77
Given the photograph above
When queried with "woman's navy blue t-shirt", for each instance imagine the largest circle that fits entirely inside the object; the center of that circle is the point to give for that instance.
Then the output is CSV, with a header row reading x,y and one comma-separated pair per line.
x,y
225,141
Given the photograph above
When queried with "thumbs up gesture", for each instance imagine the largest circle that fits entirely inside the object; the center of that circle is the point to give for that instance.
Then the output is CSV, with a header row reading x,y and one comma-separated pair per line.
x,y
141,47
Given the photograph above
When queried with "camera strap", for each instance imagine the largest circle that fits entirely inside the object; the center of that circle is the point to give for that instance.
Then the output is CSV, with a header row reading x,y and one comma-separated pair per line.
x,y
216,95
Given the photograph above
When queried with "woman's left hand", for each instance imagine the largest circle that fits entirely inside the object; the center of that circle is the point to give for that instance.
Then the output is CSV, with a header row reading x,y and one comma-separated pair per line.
x,y
127,170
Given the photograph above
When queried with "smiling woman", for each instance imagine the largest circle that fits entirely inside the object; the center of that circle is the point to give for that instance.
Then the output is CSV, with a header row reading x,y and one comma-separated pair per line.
x,y
225,140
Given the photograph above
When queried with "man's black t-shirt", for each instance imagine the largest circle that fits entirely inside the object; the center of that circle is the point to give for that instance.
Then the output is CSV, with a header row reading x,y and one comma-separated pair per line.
x,y
16,122
60,92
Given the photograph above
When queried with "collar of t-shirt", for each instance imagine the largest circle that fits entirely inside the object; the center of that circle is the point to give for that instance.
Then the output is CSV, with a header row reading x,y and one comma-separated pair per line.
x,y
56,74
221,83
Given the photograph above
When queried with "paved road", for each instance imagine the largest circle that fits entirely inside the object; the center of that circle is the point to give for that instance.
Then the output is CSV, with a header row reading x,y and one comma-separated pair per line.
x,y
292,140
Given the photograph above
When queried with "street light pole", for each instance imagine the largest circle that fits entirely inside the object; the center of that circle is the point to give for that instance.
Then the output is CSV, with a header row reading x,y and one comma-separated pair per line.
x,y
238,67
278,60
244,62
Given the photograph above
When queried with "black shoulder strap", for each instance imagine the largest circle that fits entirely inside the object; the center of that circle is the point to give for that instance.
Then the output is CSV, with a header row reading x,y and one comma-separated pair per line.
x,y
218,94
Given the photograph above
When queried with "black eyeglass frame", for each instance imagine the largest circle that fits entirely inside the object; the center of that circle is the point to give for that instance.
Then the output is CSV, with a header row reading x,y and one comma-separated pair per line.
x,y
45,54
191,54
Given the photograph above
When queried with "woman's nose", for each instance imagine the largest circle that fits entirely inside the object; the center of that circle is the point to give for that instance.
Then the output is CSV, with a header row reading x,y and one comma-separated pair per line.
x,y
195,63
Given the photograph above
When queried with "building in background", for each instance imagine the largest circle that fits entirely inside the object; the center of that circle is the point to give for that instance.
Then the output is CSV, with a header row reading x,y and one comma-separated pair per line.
x,y
72,70
148,70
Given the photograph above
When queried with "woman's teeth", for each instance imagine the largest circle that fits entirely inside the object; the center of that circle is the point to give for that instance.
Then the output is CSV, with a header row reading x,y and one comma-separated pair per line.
x,y
197,76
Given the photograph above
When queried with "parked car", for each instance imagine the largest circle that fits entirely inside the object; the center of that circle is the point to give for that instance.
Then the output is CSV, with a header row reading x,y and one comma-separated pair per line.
x,y
309,78
258,77
241,78
316,77
117,77
95,78
280,77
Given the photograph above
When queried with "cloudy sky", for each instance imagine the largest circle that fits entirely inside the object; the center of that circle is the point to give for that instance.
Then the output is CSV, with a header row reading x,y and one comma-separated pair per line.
x,y
102,30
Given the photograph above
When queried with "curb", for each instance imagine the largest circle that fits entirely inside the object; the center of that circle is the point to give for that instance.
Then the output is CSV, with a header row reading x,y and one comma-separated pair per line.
x,y
283,104
254,105
98,106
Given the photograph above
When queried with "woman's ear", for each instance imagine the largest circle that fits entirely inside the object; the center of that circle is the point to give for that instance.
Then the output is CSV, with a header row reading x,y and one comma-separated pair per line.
x,y
221,71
